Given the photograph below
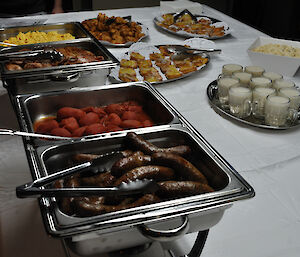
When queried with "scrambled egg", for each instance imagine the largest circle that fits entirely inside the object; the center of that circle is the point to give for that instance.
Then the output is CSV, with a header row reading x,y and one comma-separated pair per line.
x,y
38,37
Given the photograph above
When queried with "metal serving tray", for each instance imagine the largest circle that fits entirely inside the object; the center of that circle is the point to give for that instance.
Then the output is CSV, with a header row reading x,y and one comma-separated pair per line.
x,y
122,229
59,77
74,28
212,94
31,108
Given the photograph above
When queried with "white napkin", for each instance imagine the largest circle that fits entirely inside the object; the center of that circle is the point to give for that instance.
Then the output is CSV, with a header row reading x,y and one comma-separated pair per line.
x,y
180,5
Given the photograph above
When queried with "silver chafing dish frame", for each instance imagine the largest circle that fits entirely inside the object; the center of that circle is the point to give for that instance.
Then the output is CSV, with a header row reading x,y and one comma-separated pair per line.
x,y
80,233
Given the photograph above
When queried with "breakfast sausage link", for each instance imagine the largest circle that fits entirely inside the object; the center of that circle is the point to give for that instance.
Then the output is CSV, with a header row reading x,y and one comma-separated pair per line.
x,y
99,180
157,173
66,204
148,148
180,165
86,208
171,189
128,163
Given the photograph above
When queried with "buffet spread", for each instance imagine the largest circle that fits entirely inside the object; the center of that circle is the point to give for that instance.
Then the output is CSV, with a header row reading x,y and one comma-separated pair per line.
x,y
155,167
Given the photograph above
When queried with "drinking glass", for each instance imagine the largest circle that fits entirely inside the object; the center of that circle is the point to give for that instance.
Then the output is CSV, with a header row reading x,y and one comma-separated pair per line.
x,y
240,101
244,78
277,111
294,96
229,69
224,83
259,97
260,82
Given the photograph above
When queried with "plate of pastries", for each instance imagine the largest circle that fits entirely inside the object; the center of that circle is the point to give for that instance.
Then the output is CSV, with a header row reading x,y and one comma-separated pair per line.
x,y
154,63
185,24
115,30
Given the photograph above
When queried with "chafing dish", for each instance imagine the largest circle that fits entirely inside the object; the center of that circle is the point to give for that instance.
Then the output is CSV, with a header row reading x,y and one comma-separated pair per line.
x,y
74,28
131,227
59,77
163,221
34,107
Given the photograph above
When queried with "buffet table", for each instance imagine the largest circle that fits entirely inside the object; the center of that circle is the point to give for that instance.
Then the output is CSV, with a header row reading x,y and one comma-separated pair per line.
x,y
266,225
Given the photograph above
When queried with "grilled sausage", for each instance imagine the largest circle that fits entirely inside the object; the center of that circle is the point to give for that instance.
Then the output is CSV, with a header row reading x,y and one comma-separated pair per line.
x,y
66,204
180,165
128,163
66,112
157,173
46,126
148,148
85,208
176,189
99,180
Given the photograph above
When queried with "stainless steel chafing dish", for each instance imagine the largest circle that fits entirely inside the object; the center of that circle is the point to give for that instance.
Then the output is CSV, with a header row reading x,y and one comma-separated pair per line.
x,y
135,226
131,227
57,77
34,107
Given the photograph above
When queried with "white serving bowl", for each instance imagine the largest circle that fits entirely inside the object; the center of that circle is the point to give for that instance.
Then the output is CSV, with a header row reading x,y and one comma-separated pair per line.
x,y
270,62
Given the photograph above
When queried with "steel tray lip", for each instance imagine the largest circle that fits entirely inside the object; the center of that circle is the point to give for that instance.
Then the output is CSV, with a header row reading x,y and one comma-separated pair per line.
x,y
212,97
75,23
237,189
23,112
42,25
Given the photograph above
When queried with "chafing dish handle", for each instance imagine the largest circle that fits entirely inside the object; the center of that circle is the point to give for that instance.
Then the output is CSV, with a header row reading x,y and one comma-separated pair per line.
x,y
66,78
168,235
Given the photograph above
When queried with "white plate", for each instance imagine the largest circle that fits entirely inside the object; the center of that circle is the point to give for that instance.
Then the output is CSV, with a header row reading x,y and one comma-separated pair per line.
x,y
185,34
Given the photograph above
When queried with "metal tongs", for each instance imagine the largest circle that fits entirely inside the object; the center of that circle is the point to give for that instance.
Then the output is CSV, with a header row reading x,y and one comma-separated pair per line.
x,y
50,54
185,11
36,188
180,52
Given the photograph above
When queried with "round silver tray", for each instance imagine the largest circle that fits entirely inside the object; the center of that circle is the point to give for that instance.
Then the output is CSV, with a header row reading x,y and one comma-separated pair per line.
x,y
114,77
212,93
185,34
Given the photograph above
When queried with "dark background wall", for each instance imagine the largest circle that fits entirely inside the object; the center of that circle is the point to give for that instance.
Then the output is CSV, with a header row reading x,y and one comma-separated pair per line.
x,y
275,18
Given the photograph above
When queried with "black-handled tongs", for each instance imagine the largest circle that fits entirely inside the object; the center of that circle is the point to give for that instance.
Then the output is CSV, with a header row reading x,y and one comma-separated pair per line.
x,y
50,54
36,187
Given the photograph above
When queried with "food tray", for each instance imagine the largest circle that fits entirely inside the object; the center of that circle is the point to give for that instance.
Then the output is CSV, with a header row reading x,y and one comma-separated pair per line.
x,y
145,50
145,30
59,77
203,211
73,28
34,107
218,23
212,93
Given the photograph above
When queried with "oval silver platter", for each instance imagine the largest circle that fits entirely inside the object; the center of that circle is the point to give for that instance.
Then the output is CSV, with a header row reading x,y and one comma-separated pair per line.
x,y
212,91
145,30
185,34
114,72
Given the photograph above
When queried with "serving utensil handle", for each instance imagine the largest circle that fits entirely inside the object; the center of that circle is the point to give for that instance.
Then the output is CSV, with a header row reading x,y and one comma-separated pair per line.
x,y
11,132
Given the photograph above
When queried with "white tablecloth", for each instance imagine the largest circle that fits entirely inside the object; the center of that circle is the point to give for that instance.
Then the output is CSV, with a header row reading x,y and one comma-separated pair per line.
x,y
265,226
